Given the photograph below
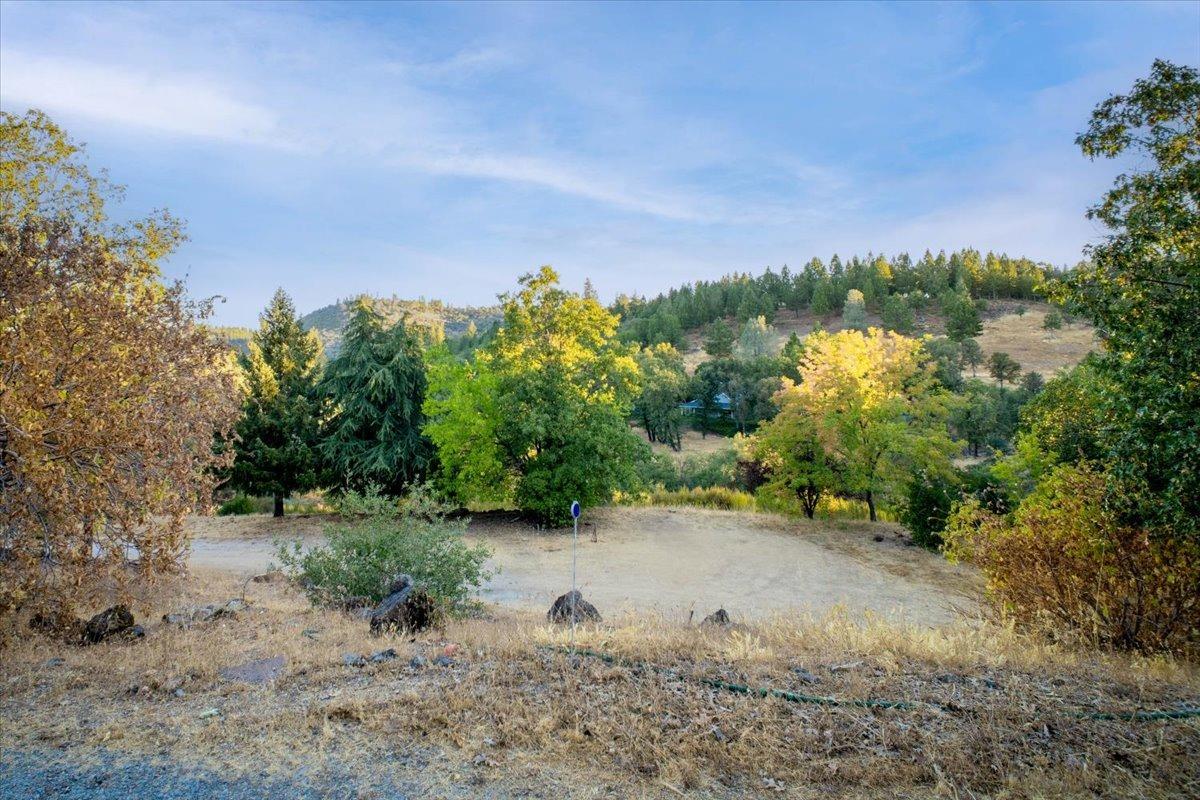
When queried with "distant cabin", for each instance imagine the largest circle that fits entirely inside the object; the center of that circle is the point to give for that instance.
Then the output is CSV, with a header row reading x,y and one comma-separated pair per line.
x,y
722,402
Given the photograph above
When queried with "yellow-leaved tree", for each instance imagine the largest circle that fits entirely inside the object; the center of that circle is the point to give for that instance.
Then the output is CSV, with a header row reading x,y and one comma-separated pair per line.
x,y
868,411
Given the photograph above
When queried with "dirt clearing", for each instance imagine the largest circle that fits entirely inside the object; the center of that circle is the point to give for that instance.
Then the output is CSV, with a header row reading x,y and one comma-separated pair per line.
x,y
671,561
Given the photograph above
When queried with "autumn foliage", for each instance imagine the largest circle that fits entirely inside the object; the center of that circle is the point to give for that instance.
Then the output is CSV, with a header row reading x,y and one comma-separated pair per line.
x,y
111,393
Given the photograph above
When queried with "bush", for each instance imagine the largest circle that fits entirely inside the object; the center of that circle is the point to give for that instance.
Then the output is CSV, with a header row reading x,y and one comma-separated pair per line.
x,y
240,504
381,538
1063,559
928,499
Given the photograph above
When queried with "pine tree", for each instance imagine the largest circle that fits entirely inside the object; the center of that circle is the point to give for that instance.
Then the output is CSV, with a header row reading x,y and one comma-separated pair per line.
x,y
276,454
374,390
820,303
718,342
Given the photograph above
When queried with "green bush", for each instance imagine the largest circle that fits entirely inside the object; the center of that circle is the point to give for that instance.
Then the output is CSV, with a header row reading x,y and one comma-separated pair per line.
x,y
381,538
718,469
241,504
928,500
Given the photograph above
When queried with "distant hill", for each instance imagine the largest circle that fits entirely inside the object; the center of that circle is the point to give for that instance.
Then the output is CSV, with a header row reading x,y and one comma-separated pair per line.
x,y
329,320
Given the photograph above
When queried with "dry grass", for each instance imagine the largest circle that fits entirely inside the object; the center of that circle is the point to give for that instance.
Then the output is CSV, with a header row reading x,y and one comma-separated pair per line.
x,y
1035,349
692,443
515,716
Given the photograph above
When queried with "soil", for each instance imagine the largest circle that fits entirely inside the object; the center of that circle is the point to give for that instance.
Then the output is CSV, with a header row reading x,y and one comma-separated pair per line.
x,y
673,561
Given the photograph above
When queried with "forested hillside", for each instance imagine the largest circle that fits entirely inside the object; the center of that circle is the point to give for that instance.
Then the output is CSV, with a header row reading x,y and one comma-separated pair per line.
x,y
895,288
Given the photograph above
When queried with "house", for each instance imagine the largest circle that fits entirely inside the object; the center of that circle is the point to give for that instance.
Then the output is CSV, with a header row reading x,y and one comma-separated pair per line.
x,y
722,402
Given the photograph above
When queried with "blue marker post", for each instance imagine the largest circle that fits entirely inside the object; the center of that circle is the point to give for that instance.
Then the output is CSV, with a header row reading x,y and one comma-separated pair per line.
x,y
575,511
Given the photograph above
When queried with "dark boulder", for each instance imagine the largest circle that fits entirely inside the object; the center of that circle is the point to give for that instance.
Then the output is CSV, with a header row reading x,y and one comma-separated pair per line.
x,y
717,619
107,623
584,611
406,609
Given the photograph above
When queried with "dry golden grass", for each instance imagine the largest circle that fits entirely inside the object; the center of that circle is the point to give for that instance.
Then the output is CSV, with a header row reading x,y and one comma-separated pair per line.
x,y
692,443
514,714
1035,349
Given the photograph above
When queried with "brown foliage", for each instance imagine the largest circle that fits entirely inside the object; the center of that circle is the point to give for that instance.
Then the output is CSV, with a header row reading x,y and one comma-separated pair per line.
x,y
111,395
1065,559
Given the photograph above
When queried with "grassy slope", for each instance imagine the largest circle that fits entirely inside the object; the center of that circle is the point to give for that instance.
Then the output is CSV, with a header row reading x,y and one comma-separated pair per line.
x,y
993,716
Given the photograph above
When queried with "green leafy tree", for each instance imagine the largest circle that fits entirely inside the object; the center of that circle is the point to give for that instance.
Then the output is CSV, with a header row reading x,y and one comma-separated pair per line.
x,y
976,418
374,390
276,454
551,428
718,341
1141,287
792,457
878,408
664,383
854,311
1003,368
1053,321
821,303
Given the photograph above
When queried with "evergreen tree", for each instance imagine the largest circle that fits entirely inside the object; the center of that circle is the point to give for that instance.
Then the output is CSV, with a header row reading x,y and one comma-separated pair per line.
x,y
718,342
754,341
971,354
276,453
374,390
1003,367
962,317
820,303
897,316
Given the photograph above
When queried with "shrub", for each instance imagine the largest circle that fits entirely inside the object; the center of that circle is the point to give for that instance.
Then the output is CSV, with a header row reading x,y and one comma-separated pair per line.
x,y
928,499
380,539
239,504
717,469
1065,560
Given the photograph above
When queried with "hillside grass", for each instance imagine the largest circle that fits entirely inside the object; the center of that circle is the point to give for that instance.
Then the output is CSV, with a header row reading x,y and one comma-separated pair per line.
x,y
995,713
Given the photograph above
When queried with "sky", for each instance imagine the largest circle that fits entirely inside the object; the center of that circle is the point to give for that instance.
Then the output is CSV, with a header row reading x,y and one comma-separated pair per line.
x,y
440,151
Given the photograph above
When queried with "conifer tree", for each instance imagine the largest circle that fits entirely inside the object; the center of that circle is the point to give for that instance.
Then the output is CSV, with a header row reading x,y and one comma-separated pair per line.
x,y
276,452
374,390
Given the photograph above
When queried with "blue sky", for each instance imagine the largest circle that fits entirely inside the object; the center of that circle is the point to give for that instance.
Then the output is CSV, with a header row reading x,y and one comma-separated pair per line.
x,y
441,150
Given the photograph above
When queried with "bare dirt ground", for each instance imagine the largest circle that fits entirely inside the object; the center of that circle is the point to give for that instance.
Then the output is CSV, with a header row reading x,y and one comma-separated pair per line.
x,y
1036,349
671,561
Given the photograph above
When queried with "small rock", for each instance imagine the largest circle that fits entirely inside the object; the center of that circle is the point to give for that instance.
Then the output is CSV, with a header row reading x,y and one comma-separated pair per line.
x,y
136,632
444,661
55,662
264,670
353,660
418,662
846,667
383,655
717,619
804,675
209,713
572,605
878,538
310,633
949,677
107,623
178,692
177,618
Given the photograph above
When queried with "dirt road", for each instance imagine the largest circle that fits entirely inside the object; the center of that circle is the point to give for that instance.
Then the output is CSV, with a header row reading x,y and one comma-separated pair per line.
x,y
671,561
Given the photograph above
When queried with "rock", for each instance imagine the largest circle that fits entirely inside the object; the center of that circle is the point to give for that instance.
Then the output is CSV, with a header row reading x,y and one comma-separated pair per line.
x,y
55,662
383,655
878,538
136,632
209,713
229,608
264,670
443,661
719,619
408,609
949,677
805,675
846,667
353,660
400,583
584,611
107,623
418,662
273,576
178,692
177,618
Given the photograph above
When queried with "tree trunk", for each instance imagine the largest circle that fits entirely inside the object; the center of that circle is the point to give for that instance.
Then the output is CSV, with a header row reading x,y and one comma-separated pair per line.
x,y
279,506
871,505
